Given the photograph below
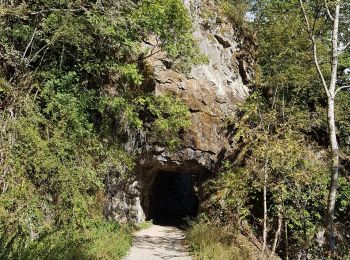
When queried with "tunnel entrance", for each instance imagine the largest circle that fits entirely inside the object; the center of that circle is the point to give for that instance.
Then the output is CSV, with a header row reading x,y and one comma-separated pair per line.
x,y
173,198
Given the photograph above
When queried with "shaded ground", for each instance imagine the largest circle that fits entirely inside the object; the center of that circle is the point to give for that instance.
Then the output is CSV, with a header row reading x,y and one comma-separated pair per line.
x,y
158,242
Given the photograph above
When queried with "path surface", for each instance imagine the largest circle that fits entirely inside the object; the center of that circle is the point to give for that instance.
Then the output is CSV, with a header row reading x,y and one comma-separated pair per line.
x,y
158,242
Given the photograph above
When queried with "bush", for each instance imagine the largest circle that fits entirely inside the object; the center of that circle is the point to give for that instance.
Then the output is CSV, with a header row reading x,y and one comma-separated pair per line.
x,y
209,241
100,240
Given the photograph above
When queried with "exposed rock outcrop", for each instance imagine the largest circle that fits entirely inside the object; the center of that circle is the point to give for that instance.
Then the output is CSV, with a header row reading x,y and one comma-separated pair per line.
x,y
211,92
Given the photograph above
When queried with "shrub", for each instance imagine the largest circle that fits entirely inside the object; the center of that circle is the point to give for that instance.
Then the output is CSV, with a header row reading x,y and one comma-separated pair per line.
x,y
100,240
210,241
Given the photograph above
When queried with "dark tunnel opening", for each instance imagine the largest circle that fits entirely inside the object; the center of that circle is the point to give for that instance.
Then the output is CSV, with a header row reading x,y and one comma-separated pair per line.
x,y
173,199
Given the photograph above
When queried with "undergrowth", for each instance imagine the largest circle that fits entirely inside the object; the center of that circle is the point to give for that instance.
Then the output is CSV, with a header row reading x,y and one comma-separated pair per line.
x,y
210,241
144,225
100,240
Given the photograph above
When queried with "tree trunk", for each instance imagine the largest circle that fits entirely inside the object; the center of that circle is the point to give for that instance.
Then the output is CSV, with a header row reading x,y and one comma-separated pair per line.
x,y
265,207
333,132
335,172
278,231
286,238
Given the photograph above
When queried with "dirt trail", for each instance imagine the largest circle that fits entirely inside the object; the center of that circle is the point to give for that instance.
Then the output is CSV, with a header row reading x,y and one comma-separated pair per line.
x,y
158,242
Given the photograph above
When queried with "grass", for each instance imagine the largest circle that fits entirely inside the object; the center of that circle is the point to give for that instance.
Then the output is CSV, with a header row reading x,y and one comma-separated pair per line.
x,y
110,242
102,240
208,241
144,225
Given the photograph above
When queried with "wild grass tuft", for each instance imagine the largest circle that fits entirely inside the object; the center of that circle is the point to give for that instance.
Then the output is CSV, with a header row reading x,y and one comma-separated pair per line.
x,y
144,225
208,241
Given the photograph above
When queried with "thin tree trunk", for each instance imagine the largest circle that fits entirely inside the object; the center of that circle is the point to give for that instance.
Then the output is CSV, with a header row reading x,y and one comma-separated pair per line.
x,y
265,207
286,238
333,132
278,231
334,177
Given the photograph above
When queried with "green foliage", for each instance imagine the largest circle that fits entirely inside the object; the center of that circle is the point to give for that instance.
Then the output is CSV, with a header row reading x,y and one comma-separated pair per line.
x,y
168,19
230,194
343,121
285,54
296,170
154,115
170,22
144,224
99,240
70,86
235,11
170,117
55,168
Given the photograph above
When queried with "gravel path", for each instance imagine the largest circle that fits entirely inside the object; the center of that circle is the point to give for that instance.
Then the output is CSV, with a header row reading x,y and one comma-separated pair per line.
x,y
158,242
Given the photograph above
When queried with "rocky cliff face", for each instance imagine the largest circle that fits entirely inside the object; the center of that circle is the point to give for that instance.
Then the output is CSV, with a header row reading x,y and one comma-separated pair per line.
x,y
211,92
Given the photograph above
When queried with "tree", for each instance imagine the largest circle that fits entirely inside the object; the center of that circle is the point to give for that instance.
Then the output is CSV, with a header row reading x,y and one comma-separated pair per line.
x,y
331,90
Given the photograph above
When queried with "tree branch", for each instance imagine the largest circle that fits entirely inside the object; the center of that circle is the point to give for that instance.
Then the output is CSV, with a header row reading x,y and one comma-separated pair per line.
x,y
37,53
340,88
313,40
55,10
347,45
308,27
152,52
328,12
29,44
